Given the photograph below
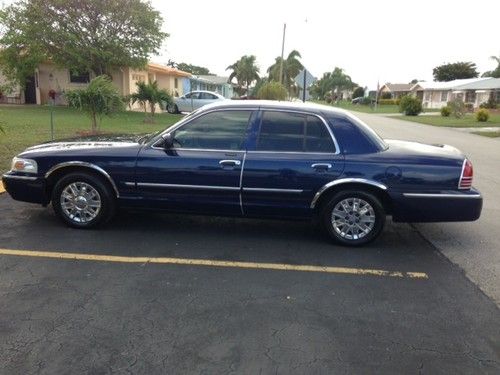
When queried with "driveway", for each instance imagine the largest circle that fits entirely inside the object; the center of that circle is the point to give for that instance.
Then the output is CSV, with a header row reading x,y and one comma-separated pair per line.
x,y
156,294
475,246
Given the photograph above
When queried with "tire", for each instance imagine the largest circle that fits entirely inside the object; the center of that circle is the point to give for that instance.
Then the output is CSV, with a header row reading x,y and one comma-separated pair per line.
x,y
83,200
357,226
172,108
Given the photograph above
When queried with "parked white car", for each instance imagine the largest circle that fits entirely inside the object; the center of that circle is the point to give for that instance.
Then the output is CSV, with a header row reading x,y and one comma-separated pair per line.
x,y
193,100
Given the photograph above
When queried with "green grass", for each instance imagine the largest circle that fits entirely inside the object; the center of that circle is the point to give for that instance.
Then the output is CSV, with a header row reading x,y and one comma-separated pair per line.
x,y
29,125
491,134
468,121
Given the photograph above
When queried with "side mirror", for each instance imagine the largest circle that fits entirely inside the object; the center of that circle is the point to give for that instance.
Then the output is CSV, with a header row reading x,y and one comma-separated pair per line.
x,y
168,141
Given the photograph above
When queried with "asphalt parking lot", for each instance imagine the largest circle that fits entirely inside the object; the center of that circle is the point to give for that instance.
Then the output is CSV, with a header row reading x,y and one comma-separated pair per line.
x,y
396,306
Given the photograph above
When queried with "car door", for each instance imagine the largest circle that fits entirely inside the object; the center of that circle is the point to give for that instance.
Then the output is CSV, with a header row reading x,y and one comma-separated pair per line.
x,y
291,156
202,172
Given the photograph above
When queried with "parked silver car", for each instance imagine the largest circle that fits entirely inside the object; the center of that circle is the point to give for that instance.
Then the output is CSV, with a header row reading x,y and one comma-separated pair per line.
x,y
193,100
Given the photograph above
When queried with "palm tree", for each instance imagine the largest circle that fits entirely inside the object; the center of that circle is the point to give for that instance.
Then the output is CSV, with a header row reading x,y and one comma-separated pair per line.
x,y
245,70
291,68
150,93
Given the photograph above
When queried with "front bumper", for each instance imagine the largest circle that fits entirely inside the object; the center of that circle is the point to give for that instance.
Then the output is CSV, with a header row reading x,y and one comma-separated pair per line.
x,y
26,188
435,207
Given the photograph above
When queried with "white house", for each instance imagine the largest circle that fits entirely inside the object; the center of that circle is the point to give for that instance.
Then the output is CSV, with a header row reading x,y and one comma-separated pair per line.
x,y
478,92
438,94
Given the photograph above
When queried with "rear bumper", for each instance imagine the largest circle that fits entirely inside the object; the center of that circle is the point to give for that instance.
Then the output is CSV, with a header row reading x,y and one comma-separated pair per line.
x,y
24,188
435,207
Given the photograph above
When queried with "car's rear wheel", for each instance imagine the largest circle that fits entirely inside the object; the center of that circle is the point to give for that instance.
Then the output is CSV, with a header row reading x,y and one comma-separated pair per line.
x,y
172,108
353,218
83,200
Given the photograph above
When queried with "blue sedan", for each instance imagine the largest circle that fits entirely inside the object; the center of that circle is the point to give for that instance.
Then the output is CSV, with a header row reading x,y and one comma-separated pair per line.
x,y
253,159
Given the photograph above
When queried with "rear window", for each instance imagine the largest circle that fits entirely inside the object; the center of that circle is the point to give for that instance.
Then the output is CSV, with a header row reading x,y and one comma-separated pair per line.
x,y
355,137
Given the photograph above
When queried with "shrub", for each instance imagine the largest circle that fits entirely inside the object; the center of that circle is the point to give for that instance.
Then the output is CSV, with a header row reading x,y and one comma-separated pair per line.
x,y
273,91
386,95
457,108
469,107
482,115
387,102
490,104
358,92
410,105
445,111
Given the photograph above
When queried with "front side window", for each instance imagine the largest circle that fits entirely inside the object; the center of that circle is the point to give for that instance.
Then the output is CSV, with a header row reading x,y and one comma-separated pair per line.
x,y
223,130
293,132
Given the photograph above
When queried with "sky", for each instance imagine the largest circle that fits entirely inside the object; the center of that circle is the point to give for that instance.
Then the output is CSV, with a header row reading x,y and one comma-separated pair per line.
x,y
372,40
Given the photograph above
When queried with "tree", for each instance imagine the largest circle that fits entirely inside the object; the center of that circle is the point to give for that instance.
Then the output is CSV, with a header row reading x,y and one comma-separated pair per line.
x,y
150,94
245,70
332,83
291,68
272,91
494,73
194,69
458,70
99,99
413,81
358,92
84,36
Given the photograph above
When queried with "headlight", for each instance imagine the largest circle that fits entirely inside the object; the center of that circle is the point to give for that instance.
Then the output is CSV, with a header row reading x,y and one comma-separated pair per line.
x,y
24,165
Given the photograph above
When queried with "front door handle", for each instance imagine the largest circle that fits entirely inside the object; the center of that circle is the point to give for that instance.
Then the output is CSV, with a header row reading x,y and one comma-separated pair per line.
x,y
321,166
229,163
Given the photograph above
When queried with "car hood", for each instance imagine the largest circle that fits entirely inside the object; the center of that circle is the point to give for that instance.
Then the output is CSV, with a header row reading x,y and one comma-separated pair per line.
x,y
423,150
90,142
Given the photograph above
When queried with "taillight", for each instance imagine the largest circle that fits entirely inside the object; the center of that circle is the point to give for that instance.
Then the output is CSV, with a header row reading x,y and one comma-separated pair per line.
x,y
466,176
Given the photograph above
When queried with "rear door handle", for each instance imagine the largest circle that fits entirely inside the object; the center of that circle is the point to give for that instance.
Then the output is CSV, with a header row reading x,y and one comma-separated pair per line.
x,y
321,166
229,163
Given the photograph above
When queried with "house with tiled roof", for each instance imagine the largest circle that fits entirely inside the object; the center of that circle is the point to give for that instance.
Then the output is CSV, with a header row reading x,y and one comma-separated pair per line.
x,y
396,90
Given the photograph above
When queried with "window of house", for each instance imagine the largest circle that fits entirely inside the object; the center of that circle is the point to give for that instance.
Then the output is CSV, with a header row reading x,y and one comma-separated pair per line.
x,y
223,130
176,83
470,96
138,77
280,131
78,77
444,96
427,96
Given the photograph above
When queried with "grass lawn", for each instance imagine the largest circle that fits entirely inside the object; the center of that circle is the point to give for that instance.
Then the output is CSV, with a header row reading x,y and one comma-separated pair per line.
x,y
468,121
29,125
491,134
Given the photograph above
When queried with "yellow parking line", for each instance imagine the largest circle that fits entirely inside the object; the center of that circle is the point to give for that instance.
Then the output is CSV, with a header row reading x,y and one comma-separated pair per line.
x,y
2,189
215,263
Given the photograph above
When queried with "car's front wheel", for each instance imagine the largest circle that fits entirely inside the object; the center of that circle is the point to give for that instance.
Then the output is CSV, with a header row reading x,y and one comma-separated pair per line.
x,y
172,108
83,200
353,218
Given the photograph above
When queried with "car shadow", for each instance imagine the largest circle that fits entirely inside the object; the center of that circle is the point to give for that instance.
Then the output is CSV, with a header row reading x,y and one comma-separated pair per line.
x,y
153,234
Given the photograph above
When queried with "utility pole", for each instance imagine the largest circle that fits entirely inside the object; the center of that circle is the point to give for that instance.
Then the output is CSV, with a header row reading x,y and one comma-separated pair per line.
x,y
282,52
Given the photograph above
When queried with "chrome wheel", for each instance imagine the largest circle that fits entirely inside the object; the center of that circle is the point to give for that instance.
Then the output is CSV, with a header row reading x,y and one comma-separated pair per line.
x,y
353,218
80,202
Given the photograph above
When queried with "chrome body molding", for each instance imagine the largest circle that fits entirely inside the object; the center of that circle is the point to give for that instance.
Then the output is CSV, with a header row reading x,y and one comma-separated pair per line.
x,y
342,181
270,190
444,195
127,183
16,177
85,165
179,186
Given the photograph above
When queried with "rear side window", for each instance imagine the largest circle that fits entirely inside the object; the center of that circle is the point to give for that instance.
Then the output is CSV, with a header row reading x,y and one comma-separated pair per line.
x,y
293,132
222,130
355,138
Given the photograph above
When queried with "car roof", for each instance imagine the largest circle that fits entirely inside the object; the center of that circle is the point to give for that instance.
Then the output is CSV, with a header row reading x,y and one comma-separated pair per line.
x,y
273,104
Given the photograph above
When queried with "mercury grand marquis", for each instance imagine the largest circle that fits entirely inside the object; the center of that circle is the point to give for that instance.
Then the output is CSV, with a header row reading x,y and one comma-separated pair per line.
x,y
253,159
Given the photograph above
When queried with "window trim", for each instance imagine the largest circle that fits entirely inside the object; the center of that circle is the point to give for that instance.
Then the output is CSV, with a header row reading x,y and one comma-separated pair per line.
x,y
180,125
332,136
